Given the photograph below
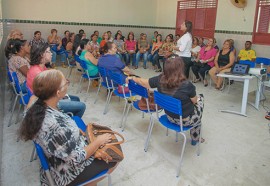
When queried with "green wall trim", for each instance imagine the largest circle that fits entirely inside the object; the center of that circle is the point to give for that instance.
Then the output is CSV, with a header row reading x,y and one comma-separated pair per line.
x,y
109,25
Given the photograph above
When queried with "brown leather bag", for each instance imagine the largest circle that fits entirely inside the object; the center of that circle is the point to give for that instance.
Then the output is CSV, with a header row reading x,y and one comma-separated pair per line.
x,y
143,104
110,152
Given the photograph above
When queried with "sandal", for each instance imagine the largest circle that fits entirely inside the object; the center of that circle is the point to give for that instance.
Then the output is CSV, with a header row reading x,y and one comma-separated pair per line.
x,y
205,83
193,142
196,80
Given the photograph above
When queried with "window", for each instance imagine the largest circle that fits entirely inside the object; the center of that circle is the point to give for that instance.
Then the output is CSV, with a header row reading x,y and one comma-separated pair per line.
x,y
261,30
202,13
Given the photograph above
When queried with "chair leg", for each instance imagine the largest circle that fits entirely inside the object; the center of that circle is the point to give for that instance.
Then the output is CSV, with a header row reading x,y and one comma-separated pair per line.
x,y
126,115
167,132
18,114
150,128
79,85
12,111
11,101
33,153
109,96
109,180
142,114
176,136
89,83
181,156
123,114
97,92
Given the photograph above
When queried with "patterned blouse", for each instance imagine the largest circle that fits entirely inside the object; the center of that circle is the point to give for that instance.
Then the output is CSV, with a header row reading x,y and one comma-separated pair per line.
x,y
63,146
15,63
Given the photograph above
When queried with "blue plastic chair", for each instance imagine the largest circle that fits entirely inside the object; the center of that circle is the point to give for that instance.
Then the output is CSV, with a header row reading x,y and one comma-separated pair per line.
x,y
119,79
70,66
140,91
18,94
45,166
172,105
106,83
85,75
247,62
263,60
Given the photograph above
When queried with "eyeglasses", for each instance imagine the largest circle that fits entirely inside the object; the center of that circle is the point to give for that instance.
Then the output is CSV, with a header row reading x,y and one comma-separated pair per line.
x,y
67,83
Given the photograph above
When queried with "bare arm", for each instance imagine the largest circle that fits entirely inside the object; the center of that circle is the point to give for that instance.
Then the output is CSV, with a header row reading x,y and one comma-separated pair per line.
x,y
90,57
194,100
216,61
24,69
126,70
141,81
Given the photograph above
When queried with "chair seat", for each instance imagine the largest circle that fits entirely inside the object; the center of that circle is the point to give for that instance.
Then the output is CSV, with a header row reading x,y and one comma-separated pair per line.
x,y
127,95
90,77
165,122
136,106
103,173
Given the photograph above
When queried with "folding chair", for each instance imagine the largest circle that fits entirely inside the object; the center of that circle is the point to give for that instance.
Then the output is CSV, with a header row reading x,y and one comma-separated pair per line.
x,y
18,93
45,166
85,75
119,80
70,66
106,83
172,105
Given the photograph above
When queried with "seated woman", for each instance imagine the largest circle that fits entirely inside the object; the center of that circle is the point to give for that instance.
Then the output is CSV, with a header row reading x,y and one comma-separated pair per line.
x,y
223,62
164,52
70,157
40,56
37,39
122,37
105,39
204,61
66,39
120,44
56,47
143,47
95,47
69,49
195,49
17,62
111,62
174,83
130,46
91,61
153,56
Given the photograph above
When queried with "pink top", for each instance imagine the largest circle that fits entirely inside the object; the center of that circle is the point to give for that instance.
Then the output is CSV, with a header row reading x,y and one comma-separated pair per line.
x,y
205,55
32,73
130,45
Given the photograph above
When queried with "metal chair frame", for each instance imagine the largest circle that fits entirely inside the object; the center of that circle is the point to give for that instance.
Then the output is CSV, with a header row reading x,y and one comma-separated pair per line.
x,y
172,105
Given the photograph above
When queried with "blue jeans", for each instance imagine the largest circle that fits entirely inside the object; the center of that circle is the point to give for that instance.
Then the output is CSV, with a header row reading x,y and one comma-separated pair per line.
x,y
128,56
63,57
138,56
73,105
152,58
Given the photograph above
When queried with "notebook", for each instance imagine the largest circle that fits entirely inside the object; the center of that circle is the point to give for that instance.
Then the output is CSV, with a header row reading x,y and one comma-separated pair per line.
x,y
239,69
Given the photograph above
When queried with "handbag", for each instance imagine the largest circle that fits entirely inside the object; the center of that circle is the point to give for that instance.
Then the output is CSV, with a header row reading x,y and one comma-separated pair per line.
x,y
120,89
151,101
110,152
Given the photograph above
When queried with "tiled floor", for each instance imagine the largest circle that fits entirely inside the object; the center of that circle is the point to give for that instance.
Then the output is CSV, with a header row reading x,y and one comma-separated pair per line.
x,y
236,150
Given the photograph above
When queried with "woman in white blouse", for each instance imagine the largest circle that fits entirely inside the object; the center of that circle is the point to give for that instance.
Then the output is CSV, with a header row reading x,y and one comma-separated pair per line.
x,y
184,44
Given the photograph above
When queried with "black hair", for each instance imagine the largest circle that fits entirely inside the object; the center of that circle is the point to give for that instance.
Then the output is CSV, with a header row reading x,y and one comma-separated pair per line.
x,y
81,31
249,42
66,32
82,44
36,53
13,46
115,37
160,37
36,32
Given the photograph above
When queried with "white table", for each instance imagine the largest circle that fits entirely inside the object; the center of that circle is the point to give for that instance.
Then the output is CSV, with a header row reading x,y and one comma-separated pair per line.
x,y
246,79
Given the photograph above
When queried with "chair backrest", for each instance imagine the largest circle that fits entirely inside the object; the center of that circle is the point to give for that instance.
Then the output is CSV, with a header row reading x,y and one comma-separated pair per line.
x,y
29,92
83,65
77,58
117,78
168,103
105,76
137,89
16,82
42,157
80,123
247,62
263,60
